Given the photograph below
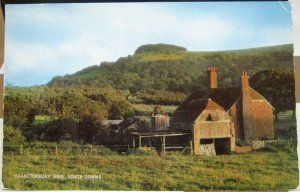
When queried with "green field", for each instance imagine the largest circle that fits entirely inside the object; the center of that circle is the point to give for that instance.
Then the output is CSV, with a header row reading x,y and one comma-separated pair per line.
x,y
253,171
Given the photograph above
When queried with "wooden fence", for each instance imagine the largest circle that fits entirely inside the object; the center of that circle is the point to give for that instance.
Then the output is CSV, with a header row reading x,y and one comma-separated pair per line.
x,y
77,149
261,144
58,149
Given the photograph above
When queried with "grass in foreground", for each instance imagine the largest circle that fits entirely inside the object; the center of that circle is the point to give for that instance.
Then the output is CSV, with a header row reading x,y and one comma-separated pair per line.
x,y
253,171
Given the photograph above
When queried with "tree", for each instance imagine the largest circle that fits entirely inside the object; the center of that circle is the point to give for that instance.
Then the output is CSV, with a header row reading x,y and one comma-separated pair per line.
x,y
120,110
158,109
60,129
278,87
16,110
12,136
88,129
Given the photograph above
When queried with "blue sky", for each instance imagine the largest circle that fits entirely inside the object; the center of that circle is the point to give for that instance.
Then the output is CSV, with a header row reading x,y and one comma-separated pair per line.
x,y
46,40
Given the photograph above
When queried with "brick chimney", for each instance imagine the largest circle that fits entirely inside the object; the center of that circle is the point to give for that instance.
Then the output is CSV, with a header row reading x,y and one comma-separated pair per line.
x,y
247,107
212,78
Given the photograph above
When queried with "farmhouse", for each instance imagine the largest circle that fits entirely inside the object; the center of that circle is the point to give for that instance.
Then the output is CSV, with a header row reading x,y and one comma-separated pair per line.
x,y
220,116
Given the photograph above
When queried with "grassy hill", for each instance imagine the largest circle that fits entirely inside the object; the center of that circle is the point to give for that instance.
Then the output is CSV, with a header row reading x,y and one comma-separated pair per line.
x,y
172,68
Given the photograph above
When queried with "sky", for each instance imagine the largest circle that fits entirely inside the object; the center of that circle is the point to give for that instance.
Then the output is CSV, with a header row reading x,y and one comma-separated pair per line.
x,y
47,40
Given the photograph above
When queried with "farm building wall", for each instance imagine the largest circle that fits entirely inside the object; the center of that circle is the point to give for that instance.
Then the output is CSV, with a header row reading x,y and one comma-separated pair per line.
x,y
160,122
262,119
222,128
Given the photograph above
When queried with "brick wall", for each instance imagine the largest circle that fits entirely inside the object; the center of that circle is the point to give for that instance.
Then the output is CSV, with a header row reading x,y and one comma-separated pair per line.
x,y
247,107
236,115
263,119
243,149
212,78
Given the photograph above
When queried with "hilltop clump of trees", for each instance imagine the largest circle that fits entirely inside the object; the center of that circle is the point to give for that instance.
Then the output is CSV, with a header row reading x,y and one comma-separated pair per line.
x,y
159,48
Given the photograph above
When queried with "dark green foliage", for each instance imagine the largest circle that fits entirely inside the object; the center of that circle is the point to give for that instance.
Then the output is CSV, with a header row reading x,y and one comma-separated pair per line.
x,y
17,109
88,129
72,113
181,71
277,86
120,110
161,97
242,143
12,136
160,48
291,132
60,129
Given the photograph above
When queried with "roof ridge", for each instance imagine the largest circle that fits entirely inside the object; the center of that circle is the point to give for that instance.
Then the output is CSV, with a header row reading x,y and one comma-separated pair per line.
x,y
211,101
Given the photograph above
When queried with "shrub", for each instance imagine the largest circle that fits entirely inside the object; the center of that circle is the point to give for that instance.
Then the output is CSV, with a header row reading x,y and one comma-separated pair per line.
x,y
12,136
243,143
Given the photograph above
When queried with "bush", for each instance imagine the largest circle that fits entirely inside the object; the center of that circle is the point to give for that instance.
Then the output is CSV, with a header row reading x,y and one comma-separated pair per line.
x,y
242,143
12,136
291,132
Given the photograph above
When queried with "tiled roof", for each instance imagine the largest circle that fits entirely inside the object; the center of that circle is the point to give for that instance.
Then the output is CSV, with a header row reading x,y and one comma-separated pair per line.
x,y
194,108
223,97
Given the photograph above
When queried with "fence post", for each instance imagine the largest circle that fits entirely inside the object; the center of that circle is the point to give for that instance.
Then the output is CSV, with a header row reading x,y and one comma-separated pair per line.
x,y
133,142
191,146
56,149
21,149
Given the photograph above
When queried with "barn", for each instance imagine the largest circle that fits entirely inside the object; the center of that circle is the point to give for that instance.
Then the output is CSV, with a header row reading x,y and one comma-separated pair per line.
x,y
220,116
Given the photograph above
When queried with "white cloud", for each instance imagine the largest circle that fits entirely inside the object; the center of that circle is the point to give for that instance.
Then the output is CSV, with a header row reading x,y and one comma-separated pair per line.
x,y
206,32
91,33
25,56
